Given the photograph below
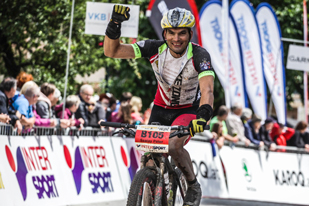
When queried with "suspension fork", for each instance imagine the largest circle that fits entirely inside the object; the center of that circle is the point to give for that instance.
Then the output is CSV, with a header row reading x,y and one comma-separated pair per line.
x,y
172,171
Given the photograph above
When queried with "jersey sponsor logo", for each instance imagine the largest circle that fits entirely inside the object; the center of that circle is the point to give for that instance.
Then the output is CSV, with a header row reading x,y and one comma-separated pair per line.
x,y
176,91
205,65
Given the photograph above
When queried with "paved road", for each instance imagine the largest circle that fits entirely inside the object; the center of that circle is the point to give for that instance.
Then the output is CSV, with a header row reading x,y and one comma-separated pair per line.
x,y
224,202
205,202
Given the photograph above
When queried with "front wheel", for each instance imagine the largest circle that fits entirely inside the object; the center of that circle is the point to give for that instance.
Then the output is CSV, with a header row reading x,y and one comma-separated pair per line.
x,y
142,190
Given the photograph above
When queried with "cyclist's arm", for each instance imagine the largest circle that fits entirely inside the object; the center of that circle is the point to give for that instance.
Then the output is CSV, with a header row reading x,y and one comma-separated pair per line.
x,y
206,87
113,49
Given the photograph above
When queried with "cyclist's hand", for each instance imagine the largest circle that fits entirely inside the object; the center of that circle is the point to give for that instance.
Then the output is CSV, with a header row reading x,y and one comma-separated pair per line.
x,y
120,13
197,126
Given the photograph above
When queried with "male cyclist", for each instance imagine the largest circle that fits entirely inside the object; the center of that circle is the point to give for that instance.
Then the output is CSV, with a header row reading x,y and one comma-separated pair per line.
x,y
185,81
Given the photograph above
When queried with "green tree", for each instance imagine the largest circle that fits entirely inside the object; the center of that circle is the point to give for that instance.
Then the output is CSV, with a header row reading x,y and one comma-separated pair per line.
x,y
34,38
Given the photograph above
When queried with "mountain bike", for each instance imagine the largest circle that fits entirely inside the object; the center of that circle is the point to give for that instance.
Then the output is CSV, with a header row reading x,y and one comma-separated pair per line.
x,y
158,182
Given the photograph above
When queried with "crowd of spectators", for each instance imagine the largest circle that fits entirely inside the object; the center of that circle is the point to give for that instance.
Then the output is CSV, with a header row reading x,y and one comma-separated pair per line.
x,y
24,104
241,125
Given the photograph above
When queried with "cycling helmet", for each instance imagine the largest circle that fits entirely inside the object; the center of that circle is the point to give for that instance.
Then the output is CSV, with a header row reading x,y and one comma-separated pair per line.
x,y
176,18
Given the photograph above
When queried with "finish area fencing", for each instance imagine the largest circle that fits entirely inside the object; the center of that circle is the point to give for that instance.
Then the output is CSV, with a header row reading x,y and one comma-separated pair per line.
x,y
47,166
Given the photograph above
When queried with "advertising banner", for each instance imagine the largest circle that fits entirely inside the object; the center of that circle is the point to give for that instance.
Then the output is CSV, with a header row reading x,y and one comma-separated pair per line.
x,y
135,156
30,172
298,58
243,173
286,181
93,169
123,161
273,57
211,33
98,16
208,169
58,171
249,36
157,8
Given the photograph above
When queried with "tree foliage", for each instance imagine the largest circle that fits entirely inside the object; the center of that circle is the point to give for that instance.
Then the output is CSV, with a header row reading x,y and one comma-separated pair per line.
x,y
34,38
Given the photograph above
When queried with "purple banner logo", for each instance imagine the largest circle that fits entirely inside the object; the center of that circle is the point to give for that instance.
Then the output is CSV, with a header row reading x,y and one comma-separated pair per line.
x,y
33,159
89,157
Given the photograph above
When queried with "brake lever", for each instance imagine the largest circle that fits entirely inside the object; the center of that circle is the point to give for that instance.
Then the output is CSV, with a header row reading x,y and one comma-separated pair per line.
x,y
125,131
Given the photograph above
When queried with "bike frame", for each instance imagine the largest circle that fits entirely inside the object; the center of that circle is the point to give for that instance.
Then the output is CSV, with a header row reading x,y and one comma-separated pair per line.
x,y
160,160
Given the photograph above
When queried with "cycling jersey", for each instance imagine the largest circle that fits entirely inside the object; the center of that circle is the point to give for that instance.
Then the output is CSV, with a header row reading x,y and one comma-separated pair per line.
x,y
185,91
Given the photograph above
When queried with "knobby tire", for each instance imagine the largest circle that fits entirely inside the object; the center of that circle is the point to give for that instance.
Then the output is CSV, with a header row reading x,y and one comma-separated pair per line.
x,y
143,185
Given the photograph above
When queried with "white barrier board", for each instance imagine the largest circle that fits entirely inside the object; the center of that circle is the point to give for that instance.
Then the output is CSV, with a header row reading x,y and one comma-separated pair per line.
x,y
208,169
58,171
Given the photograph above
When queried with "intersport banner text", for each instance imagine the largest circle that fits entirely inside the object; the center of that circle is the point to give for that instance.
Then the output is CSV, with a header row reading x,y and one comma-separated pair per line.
x,y
211,33
249,36
272,57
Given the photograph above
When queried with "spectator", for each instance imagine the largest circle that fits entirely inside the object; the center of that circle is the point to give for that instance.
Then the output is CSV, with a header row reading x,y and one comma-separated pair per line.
x,y
252,129
95,113
234,123
71,105
104,101
22,78
281,134
264,133
7,91
111,108
136,107
300,137
216,131
85,94
221,117
43,106
125,97
23,102
123,115
246,115
57,97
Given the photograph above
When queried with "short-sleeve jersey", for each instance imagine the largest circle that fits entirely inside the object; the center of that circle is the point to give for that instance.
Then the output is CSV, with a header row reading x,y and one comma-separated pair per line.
x,y
184,91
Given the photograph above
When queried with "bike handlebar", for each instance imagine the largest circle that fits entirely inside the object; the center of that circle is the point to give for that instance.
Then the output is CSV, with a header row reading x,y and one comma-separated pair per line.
x,y
126,125
117,124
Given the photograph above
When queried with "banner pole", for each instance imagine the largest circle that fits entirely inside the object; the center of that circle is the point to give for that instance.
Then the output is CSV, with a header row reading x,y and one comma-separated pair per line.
x,y
226,55
68,59
305,73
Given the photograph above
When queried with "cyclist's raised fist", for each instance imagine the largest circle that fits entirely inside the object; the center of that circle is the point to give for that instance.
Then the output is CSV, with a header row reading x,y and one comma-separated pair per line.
x,y
120,13
197,126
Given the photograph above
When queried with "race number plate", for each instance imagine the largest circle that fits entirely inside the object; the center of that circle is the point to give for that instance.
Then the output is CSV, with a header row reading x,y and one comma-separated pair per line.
x,y
152,138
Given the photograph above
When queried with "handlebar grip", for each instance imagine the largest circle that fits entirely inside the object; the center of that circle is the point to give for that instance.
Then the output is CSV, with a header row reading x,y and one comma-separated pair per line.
x,y
116,124
207,127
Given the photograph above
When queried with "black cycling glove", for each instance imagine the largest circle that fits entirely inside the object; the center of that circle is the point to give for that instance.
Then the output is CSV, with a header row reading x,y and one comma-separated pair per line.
x,y
120,14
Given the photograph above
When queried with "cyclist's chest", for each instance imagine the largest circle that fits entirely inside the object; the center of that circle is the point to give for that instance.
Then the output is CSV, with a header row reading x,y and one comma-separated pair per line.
x,y
170,72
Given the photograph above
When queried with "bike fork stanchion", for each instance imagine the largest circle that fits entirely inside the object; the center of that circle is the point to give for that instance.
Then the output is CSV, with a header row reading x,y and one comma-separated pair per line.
x,y
159,188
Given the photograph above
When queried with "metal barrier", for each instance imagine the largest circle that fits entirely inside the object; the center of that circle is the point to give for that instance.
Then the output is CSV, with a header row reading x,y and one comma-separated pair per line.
x,y
7,129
